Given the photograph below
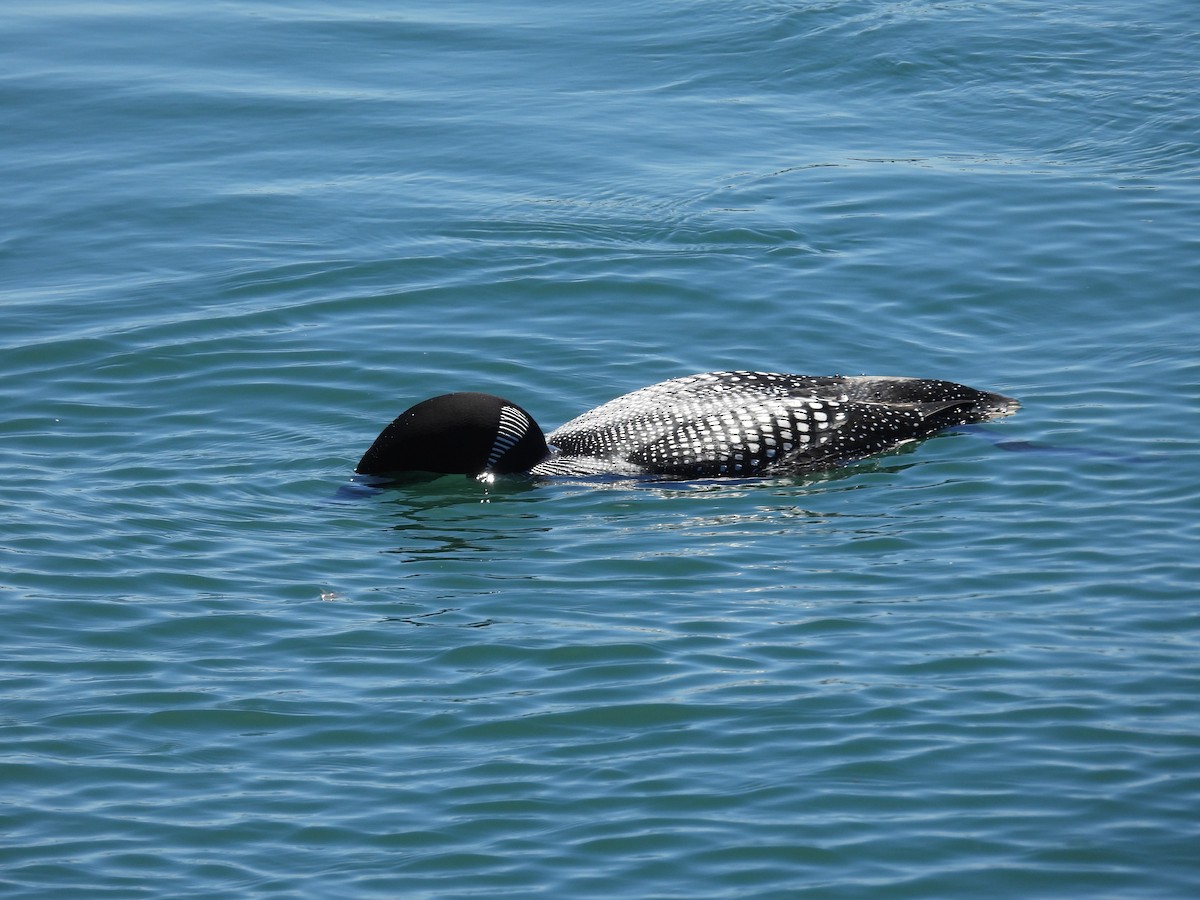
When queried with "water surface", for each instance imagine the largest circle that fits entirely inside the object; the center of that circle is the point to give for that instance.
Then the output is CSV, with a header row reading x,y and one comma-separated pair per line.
x,y
240,238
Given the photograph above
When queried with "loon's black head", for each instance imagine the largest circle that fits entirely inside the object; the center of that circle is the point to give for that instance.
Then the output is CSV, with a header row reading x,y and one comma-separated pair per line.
x,y
458,434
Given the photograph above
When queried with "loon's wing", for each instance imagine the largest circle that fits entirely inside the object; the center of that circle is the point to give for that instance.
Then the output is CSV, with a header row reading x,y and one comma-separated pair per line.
x,y
792,435
660,408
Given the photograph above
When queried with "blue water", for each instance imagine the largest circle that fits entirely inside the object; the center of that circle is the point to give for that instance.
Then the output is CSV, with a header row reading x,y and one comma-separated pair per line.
x,y
240,237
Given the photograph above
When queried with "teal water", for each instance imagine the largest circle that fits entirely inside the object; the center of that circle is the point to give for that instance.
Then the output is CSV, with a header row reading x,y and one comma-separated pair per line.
x,y
240,237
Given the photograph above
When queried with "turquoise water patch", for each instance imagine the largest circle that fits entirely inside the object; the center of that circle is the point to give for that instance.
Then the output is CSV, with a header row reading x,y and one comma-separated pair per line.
x,y
241,238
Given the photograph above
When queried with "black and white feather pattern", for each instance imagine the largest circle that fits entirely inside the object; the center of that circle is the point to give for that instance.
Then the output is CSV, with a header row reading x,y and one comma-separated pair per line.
x,y
748,423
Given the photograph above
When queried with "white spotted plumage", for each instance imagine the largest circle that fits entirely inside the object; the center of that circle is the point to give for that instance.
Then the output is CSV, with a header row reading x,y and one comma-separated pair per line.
x,y
741,423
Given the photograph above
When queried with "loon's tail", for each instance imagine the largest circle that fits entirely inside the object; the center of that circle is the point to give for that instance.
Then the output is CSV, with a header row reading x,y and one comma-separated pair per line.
x,y
955,404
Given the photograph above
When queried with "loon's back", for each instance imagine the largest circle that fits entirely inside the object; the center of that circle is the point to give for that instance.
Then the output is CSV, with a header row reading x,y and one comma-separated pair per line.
x,y
751,423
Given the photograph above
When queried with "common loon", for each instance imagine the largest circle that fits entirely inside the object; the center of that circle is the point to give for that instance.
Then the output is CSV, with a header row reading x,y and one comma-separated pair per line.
x,y
716,424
